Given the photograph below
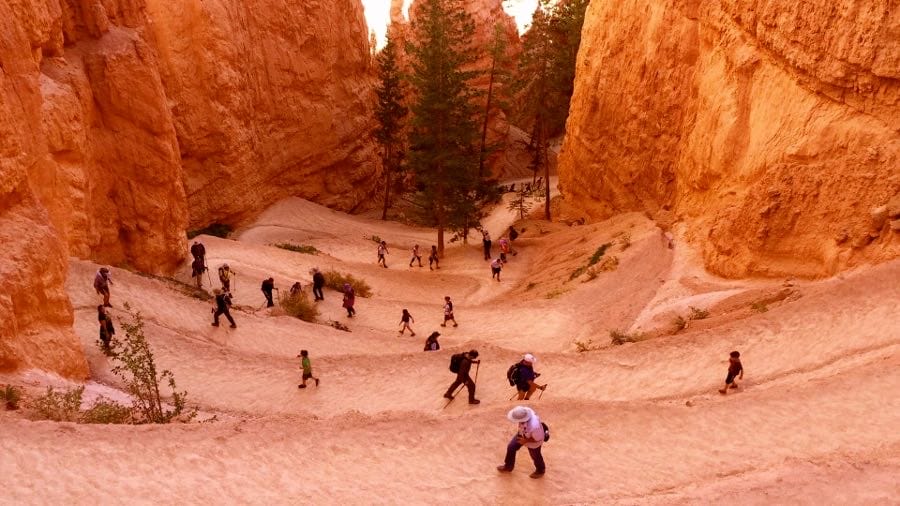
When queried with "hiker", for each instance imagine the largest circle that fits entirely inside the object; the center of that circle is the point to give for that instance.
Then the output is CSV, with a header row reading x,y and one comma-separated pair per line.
x,y
486,243
107,331
197,269
318,284
522,375
382,251
431,344
198,251
222,301
349,300
433,258
267,286
513,235
416,256
462,362
496,267
734,369
405,320
307,369
296,289
504,249
448,312
225,273
540,181
101,285
530,434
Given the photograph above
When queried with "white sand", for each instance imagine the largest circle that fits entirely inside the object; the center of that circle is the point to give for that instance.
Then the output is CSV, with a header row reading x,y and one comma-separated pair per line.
x,y
816,422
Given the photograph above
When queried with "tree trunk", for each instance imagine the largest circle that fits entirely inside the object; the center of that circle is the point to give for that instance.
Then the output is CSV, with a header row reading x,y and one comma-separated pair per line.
x,y
546,184
487,115
387,182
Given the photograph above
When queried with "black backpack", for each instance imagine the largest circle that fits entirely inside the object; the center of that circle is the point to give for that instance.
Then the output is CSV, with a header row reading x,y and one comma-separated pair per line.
x,y
512,374
513,234
456,361
546,432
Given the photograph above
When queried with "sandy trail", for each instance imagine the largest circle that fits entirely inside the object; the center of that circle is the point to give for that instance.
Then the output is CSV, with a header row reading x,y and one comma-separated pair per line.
x,y
816,411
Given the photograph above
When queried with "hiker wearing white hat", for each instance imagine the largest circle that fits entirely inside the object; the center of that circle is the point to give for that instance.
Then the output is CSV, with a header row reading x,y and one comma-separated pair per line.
x,y
530,434
522,376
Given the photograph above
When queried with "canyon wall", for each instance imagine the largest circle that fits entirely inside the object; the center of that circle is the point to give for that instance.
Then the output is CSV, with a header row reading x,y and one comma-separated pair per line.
x,y
125,122
770,128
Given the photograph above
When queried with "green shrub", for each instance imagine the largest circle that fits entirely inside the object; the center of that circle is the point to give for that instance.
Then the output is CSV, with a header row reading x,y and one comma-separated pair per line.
x,y
617,337
299,306
598,254
340,326
306,250
106,411
215,229
11,396
336,280
680,324
59,406
375,238
698,314
583,347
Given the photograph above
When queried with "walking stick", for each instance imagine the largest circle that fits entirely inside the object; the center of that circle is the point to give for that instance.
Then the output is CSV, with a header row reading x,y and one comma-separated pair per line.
x,y
458,390
542,392
514,395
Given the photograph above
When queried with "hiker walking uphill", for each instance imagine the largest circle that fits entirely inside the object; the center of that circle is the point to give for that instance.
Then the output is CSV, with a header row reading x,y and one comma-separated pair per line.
x,y
307,369
107,331
222,303
504,249
225,274
197,270
513,235
461,363
198,251
267,286
101,285
416,256
448,312
496,267
296,289
349,300
531,433
486,243
382,251
431,344
522,376
318,284
405,320
735,368
433,259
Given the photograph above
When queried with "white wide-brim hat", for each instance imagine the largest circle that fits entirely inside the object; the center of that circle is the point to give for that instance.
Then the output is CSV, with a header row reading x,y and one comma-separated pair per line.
x,y
520,414
529,358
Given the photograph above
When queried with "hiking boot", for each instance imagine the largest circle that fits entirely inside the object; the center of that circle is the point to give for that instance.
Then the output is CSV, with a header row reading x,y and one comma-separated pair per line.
x,y
733,385
448,396
474,401
443,325
536,475
723,391
234,326
301,386
214,324
456,325
107,305
504,469
412,335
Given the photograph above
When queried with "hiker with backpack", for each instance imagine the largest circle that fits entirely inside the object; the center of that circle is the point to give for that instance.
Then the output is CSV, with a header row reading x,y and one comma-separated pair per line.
x,y
107,331
405,320
513,235
267,286
433,258
416,256
431,344
531,433
102,280
504,249
197,270
296,289
225,273
448,312
222,303
198,251
461,363
382,251
486,243
522,376
349,300
496,267
318,284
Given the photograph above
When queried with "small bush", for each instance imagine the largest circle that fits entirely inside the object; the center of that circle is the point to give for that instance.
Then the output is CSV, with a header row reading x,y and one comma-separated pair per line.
x,y
625,241
299,306
306,250
340,326
698,314
59,406
336,280
374,238
554,294
577,272
214,229
106,411
583,347
618,338
598,254
759,307
680,324
608,264
530,286
11,396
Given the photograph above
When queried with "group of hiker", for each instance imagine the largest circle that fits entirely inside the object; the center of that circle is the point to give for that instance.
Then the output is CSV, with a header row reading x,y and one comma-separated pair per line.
x,y
433,260
505,245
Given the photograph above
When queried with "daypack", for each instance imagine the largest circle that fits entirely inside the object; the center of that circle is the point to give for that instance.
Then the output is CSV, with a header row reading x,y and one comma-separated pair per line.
x,y
546,432
455,362
512,374
513,234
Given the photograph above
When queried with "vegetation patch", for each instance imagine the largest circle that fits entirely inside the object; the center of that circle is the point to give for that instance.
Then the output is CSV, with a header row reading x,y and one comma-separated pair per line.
x,y
599,254
335,280
554,294
374,238
11,396
340,326
679,323
618,337
759,307
625,241
299,306
698,314
577,272
530,286
305,249
59,406
216,229
106,411
586,346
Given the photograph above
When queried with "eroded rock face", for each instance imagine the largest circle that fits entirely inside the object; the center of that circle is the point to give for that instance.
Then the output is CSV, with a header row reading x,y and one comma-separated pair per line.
x,y
771,128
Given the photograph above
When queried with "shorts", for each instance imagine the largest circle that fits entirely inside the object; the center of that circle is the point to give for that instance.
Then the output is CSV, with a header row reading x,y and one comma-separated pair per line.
x,y
730,378
495,270
307,375
449,316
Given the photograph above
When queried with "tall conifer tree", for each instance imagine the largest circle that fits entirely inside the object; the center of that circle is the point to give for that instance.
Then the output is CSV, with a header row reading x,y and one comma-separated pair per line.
x,y
389,112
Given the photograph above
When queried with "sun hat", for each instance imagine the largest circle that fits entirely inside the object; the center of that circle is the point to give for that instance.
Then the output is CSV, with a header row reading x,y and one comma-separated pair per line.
x,y
520,414
529,358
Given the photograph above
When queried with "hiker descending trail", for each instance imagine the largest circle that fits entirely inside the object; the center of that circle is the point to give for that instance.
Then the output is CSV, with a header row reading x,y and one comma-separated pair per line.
x,y
382,251
267,286
198,251
496,267
405,320
318,284
416,256
222,303
431,343
307,369
433,258
531,433
349,300
522,376
486,243
448,312
107,331
197,270
225,274
461,364
102,281
735,368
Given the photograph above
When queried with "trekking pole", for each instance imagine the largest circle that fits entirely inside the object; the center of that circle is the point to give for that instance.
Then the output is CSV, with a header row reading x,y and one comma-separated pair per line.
x,y
514,395
458,390
542,392
208,277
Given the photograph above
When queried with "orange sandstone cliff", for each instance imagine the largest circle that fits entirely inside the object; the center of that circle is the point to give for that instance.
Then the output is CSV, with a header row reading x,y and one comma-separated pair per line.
x,y
771,129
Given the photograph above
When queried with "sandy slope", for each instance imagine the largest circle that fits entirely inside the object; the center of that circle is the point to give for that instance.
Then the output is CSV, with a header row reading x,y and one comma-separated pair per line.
x,y
640,423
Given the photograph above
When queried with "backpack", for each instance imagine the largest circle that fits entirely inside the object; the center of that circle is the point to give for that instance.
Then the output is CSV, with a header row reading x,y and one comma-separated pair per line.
x,y
455,362
513,234
512,374
546,432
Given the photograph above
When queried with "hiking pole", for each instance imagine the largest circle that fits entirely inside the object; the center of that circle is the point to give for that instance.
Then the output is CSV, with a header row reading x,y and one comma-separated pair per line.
x,y
542,392
514,395
458,390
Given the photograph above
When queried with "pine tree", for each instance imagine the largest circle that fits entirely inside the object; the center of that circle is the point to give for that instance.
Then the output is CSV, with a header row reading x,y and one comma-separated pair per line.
x,y
389,112
443,138
497,75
